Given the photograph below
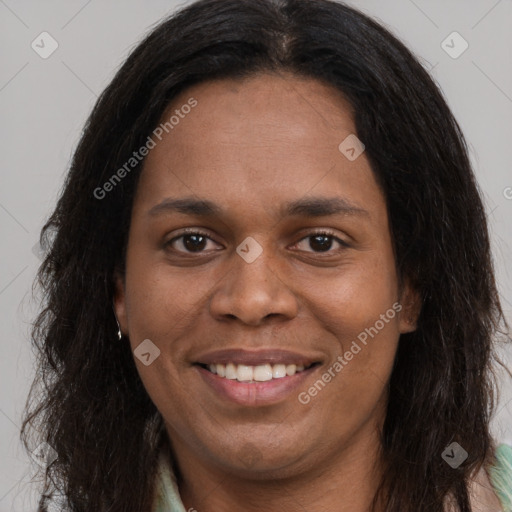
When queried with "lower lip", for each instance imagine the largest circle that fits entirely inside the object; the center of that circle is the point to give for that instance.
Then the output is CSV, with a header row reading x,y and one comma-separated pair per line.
x,y
255,393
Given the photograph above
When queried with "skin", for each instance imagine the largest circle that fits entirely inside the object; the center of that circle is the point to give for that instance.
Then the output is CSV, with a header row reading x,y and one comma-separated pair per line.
x,y
252,146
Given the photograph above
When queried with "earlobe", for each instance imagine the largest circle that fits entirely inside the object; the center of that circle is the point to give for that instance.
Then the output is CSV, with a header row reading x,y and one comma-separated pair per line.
x,y
119,302
411,308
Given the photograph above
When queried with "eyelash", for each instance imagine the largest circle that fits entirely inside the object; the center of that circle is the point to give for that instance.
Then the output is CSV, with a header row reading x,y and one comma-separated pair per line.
x,y
324,232
329,234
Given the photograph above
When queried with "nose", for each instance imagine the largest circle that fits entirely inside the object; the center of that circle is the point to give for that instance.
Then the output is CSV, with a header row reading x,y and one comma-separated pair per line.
x,y
251,292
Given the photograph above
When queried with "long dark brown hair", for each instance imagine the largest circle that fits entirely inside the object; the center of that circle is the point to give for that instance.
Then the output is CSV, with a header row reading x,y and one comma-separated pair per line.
x,y
88,402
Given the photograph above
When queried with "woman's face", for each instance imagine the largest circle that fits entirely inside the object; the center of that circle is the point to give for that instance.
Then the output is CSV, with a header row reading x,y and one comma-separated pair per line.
x,y
260,291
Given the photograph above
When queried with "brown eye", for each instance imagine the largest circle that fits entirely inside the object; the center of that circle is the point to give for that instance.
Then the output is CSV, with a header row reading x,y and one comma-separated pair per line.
x,y
189,242
194,243
322,242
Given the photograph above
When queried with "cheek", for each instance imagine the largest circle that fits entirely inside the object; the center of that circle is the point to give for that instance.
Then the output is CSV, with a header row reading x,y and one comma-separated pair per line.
x,y
174,401
352,297
163,302
364,351
357,307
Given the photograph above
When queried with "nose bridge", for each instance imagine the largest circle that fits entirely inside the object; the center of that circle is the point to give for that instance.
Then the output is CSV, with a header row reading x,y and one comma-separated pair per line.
x,y
251,289
252,269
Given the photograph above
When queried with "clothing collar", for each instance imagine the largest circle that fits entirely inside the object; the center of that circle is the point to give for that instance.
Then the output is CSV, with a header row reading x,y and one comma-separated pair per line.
x,y
167,494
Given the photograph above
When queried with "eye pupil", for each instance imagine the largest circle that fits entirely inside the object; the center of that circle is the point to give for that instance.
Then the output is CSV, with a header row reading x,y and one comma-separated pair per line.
x,y
316,242
197,244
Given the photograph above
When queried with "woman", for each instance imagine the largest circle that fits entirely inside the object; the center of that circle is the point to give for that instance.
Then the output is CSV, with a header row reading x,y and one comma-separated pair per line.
x,y
273,208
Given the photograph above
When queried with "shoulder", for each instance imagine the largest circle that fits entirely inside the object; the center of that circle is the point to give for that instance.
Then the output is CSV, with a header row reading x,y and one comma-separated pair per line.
x,y
491,488
483,495
500,475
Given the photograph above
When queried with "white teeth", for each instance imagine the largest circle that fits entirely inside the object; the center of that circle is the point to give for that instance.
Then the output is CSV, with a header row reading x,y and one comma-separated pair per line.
x,y
291,369
260,373
244,373
231,372
279,371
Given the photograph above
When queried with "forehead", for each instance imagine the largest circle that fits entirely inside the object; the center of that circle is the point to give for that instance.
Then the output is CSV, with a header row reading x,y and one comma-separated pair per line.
x,y
269,107
266,139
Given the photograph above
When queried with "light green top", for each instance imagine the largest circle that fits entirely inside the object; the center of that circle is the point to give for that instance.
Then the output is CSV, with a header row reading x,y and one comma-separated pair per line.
x,y
168,496
501,476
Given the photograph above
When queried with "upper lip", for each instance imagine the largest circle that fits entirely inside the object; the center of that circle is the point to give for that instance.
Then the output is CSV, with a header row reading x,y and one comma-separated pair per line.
x,y
257,357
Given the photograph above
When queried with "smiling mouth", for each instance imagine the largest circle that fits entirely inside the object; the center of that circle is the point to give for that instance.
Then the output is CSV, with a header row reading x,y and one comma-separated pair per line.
x,y
253,374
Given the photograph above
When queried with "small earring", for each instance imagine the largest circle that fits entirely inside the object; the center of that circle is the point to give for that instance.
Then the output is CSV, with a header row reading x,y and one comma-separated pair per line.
x,y
119,333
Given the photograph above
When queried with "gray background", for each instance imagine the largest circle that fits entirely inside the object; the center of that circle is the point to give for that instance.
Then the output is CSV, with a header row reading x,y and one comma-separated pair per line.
x,y
44,103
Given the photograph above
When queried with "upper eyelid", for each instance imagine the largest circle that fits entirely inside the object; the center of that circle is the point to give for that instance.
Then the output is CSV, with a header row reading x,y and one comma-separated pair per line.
x,y
327,233
192,232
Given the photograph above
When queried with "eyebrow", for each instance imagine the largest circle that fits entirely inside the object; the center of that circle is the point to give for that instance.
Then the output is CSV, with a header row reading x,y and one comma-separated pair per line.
x,y
307,207
322,206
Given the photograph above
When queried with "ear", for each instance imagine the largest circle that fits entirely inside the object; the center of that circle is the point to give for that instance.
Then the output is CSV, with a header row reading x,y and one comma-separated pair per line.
x,y
410,300
120,301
